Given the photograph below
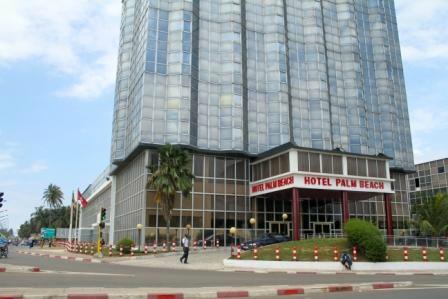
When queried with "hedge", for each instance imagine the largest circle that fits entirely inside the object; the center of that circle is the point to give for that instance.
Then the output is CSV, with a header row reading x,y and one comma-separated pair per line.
x,y
367,238
126,244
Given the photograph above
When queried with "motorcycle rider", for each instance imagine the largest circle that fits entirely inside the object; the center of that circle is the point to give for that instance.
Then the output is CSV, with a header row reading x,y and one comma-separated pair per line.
x,y
346,260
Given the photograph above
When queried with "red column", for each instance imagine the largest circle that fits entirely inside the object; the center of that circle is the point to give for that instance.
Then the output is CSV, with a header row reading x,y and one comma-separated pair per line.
x,y
388,212
296,217
345,207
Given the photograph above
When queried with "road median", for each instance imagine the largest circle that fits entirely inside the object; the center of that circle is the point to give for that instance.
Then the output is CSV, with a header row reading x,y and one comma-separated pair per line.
x,y
221,292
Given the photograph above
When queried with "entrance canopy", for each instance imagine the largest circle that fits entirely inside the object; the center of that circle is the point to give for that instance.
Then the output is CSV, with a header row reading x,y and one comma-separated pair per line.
x,y
321,170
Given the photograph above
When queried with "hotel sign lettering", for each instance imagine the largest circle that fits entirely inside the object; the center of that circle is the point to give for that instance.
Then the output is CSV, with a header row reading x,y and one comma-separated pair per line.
x,y
341,182
272,185
310,181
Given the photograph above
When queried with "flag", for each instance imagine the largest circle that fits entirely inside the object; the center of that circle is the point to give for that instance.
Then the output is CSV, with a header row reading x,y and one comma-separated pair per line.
x,y
82,200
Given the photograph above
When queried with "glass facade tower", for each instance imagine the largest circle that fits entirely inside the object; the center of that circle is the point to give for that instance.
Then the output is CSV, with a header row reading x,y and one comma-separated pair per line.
x,y
268,96
250,75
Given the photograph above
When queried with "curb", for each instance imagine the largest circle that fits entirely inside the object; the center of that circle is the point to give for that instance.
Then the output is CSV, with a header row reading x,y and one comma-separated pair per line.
x,y
333,267
206,293
268,271
62,257
19,269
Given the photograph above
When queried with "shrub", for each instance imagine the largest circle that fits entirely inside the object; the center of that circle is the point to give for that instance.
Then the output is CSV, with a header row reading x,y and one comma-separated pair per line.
x,y
375,249
368,238
126,244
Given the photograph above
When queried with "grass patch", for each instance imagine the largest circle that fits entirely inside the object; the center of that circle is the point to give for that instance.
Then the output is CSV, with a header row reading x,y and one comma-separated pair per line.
x,y
305,251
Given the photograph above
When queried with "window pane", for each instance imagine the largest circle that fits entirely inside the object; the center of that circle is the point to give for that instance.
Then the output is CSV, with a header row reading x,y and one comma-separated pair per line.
x,y
314,162
303,162
361,166
326,164
351,166
284,163
198,165
337,164
220,162
275,166
230,168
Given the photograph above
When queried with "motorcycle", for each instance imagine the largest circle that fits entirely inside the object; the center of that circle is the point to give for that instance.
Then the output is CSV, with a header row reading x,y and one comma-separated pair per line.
x,y
346,261
3,250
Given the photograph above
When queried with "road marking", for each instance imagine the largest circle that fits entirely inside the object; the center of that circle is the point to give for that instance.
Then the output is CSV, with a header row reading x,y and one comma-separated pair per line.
x,y
87,273
417,288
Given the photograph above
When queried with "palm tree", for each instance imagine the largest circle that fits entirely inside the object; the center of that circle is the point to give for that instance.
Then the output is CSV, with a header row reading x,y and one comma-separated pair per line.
x,y
432,216
53,197
172,175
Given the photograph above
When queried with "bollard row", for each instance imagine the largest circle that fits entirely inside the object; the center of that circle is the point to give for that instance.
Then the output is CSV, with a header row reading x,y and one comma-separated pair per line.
x,y
91,248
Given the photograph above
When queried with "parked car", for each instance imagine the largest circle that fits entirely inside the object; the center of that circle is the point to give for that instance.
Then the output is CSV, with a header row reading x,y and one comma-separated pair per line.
x,y
263,240
209,240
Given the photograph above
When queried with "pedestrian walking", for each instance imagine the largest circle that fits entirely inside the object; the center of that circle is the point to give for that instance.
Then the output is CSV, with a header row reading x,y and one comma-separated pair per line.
x,y
186,248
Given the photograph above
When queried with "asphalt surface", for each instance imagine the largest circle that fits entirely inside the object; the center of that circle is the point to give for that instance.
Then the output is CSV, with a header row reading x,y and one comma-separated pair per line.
x,y
80,274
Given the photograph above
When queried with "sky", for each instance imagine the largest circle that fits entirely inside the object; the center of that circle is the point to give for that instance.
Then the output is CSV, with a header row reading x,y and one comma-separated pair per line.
x,y
57,77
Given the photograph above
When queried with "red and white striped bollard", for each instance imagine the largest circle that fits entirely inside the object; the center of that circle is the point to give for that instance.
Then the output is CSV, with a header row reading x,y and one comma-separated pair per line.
x,y
355,253
294,254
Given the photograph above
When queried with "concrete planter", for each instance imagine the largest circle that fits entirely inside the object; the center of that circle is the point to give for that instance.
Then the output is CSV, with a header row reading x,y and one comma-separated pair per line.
x,y
336,266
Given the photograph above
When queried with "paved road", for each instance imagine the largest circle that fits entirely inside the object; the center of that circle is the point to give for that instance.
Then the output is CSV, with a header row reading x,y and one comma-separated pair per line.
x,y
416,293
98,275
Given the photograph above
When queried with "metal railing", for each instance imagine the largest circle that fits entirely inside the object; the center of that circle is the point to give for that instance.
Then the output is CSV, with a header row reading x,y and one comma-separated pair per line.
x,y
394,240
413,241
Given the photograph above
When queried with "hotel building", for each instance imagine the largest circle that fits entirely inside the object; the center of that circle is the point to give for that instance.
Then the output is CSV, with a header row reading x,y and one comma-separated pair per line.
x,y
287,107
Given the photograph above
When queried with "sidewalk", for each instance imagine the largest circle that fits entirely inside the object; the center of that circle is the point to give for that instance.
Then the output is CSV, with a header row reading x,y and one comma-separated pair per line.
x,y
209,259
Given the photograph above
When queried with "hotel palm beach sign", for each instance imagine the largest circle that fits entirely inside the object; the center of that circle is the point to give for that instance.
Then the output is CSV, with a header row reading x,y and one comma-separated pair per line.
x,y
322,182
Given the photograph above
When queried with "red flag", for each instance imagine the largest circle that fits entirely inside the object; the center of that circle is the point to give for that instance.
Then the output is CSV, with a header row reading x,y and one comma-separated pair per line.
x,y
82,200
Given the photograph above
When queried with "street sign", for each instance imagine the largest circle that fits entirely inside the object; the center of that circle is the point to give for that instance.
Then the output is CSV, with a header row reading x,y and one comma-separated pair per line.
x,y
48,233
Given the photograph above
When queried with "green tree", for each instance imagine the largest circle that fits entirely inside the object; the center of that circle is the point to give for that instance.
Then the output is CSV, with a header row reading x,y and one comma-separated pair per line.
x,y
53,196
41,218
24,230
171,176
57,217
431,217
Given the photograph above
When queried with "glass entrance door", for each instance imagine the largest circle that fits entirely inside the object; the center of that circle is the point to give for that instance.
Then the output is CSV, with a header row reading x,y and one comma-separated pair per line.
x,y
322,228
280,227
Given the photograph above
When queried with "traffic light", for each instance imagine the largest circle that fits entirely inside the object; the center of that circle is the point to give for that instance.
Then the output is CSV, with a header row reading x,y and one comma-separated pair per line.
x,y
102,224
1,199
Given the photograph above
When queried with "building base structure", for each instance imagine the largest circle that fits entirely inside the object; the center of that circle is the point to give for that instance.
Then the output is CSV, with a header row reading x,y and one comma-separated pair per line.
x,y
293,191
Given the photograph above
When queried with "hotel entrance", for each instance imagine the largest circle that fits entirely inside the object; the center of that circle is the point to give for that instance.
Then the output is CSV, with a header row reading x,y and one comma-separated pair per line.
x,y
323,229
280,228
319,192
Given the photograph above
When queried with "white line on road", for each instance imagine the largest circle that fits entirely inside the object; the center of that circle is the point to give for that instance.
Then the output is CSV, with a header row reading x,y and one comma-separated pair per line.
x,y
86,273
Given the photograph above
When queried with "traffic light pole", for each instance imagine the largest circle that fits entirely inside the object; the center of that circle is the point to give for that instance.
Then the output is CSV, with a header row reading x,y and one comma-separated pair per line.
x,y
99,242
101,226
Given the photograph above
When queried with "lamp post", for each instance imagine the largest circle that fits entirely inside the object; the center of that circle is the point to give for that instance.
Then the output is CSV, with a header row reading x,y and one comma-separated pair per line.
x,y
233,232
284,217
139,229
252,222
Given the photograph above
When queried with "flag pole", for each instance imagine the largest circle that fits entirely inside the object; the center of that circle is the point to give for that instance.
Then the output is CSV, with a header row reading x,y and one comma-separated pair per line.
x,y
76,220
71,219
80,217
